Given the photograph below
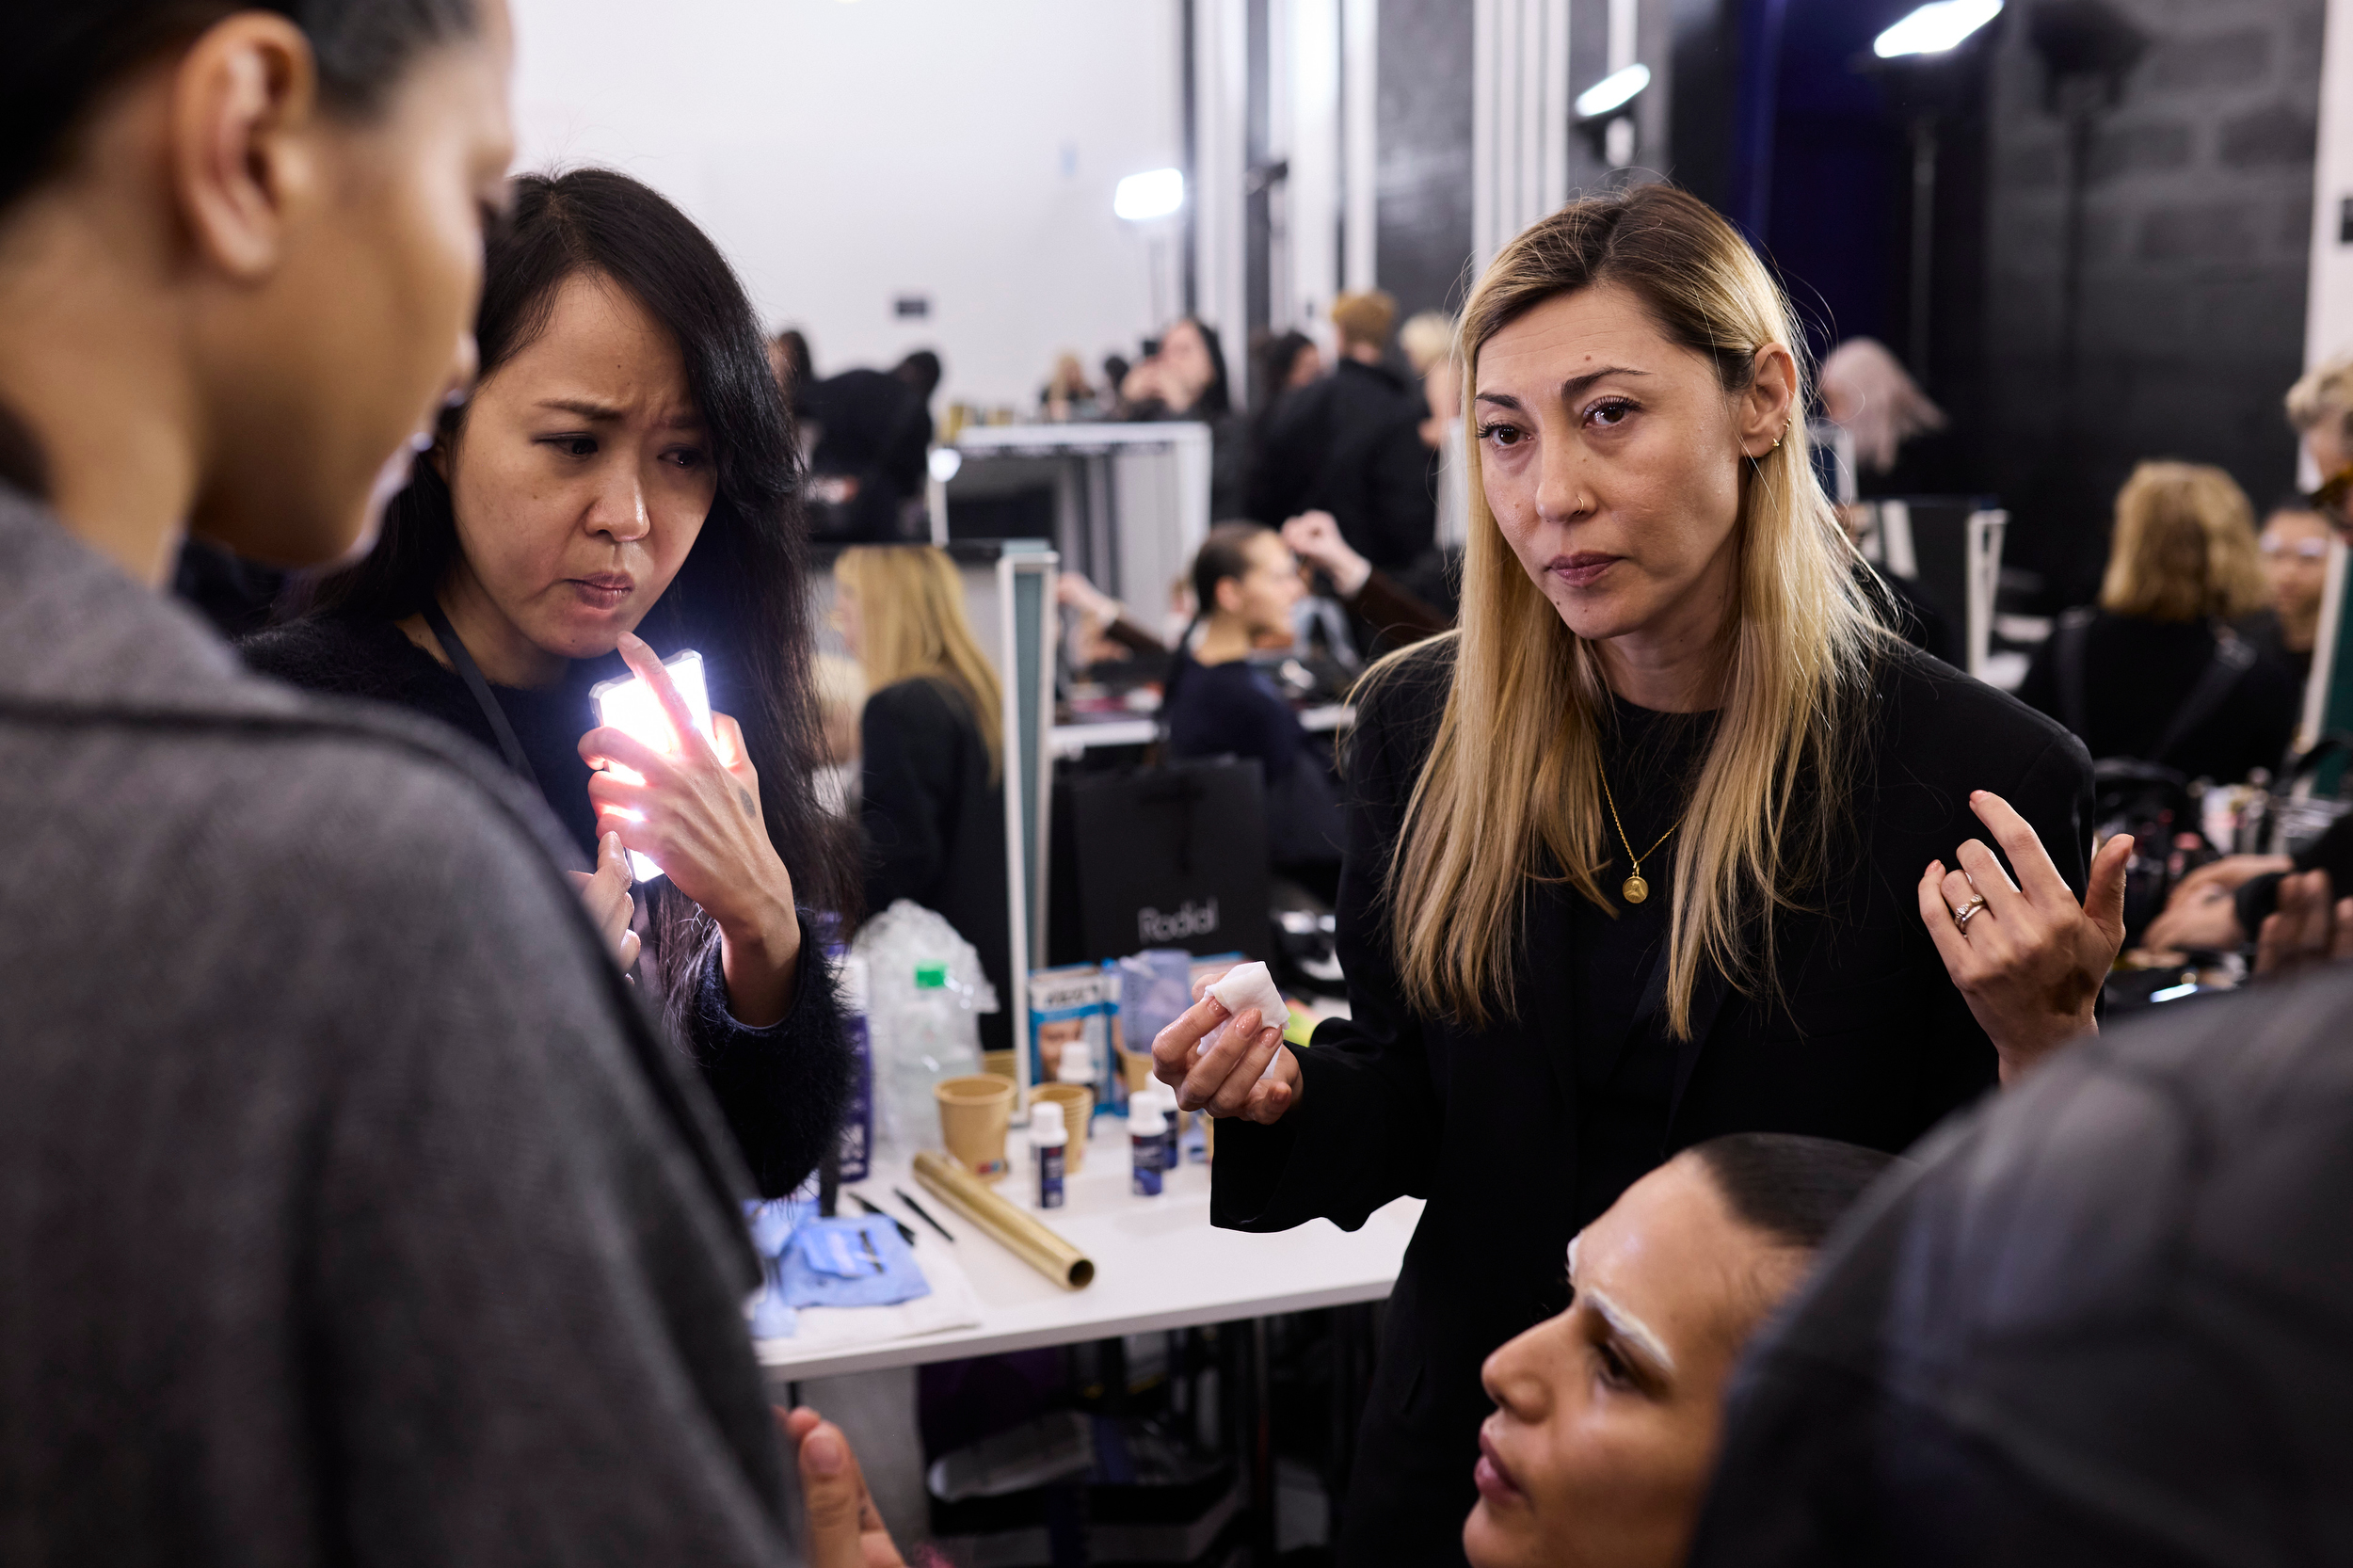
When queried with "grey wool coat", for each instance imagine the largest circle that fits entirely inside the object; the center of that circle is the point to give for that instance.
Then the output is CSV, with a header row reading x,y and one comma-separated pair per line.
x,y
350,1210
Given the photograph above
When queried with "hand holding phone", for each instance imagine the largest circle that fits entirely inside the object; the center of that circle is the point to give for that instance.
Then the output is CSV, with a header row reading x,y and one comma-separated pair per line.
x,y
655,710
687,801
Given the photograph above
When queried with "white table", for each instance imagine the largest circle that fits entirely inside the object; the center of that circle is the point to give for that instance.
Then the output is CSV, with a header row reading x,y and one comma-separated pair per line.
x,y
1068,742
1158,1265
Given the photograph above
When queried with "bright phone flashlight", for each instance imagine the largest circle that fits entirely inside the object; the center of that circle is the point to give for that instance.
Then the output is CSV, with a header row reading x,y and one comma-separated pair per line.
x,y
626,703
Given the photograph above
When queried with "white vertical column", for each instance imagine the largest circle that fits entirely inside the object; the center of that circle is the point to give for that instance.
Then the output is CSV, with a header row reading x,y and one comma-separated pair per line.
x,y
1625,47
1313,146
1626,21
1360,70
1520,117
2328,313
1553,188
1221,106
1533,50
2328,309
1484,48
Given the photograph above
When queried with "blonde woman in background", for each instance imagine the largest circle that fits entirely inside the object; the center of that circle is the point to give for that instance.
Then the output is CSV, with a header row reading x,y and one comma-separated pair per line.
x,y
2155,671
1866,391
931,778
1672,840
1427,340
2320,410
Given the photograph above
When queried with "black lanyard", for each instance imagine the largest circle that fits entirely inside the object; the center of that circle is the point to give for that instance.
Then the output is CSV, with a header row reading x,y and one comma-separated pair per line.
x,y
471,674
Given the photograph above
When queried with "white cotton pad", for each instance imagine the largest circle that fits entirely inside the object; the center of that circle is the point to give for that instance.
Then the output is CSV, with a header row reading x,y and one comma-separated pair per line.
x,y
1249,985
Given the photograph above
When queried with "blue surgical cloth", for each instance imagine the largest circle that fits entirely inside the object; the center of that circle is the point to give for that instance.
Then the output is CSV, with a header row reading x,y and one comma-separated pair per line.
x,y
807,1261
850,1262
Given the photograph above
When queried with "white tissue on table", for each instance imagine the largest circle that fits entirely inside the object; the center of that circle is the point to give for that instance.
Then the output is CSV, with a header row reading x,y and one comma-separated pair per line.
x,y
1249,986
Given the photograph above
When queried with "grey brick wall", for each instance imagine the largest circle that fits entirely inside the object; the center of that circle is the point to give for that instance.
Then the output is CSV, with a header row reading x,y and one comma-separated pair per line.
x,y
2198,224
1423,152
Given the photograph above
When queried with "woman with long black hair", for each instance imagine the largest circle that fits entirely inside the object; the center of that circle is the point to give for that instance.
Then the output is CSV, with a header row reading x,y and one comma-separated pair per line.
x,y
1184,379
624,467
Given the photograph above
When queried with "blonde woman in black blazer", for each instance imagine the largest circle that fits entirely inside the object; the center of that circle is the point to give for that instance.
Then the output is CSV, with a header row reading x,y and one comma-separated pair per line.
x,y
1673,838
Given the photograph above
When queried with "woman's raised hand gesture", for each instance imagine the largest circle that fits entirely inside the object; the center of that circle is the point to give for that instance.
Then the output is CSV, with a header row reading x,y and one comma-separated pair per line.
x,y
695,810
1315,537
2029,959
1229,1078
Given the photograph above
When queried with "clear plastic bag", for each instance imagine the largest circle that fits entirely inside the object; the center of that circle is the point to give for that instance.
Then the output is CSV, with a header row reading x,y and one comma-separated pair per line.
x,y
925,990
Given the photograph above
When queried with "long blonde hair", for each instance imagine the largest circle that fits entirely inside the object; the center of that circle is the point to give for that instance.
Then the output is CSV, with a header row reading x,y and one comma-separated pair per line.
x,y
2185,546
1512,782
912,626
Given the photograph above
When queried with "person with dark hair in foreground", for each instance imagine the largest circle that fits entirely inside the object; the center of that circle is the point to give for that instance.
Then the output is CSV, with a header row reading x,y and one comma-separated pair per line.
x,y
355,1213
2108,1318
626,466
1606,1416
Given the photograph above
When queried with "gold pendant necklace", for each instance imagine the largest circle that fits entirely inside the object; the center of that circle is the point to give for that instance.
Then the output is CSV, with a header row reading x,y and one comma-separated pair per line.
x,y
1633,889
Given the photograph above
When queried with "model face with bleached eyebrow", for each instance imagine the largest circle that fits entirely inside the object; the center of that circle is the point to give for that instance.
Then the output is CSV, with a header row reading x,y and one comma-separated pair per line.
x,y
1612,458
1608,1417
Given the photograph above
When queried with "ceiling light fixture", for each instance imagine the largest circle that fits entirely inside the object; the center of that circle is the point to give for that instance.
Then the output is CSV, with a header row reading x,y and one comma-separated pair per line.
x,y
1154,194
1612,92
1935,28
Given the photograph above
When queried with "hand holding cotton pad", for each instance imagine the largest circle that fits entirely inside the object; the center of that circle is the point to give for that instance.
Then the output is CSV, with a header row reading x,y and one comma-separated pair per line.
x,y
1249,986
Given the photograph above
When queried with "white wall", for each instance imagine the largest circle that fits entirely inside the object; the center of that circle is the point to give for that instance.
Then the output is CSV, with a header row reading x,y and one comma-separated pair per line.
x,y
844,153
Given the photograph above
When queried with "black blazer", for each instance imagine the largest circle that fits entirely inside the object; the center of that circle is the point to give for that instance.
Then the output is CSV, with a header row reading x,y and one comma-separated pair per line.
x,y
1351,444
784,1085
1871,1044
936,825
2137,674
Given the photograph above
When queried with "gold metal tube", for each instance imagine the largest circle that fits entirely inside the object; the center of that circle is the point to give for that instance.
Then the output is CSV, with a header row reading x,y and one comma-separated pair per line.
x,y
1028,1240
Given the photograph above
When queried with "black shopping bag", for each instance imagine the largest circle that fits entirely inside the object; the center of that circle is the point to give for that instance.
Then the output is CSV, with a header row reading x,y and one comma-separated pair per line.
x,y
1172,857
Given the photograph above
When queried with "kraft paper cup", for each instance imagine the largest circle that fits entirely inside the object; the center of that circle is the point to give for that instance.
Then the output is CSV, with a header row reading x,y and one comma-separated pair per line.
x,y
1137,1065
974,1113
1077,1103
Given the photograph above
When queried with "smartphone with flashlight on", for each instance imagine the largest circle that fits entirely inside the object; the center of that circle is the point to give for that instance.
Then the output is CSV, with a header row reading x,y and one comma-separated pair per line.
x,y
626,703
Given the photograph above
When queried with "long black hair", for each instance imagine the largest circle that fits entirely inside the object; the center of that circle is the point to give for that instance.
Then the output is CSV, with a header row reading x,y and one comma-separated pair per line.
x,y
740,597
1217,398
1277,358
62,55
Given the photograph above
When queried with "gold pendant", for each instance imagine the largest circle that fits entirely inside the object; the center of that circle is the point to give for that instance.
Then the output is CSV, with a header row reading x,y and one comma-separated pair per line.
x,y
1635,889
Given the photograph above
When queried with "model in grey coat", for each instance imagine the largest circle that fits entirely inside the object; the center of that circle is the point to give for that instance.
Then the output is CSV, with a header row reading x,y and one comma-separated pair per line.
x,y
350,1211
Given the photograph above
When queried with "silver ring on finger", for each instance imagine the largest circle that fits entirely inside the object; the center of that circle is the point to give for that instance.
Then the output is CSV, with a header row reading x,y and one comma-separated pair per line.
x,y
1962,916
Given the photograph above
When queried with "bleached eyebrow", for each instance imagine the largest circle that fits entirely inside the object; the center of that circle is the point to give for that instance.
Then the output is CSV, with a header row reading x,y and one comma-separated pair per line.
x,y
1633,1331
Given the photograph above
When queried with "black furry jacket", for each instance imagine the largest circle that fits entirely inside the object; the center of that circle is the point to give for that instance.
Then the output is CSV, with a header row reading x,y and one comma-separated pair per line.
x,y
782,1087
